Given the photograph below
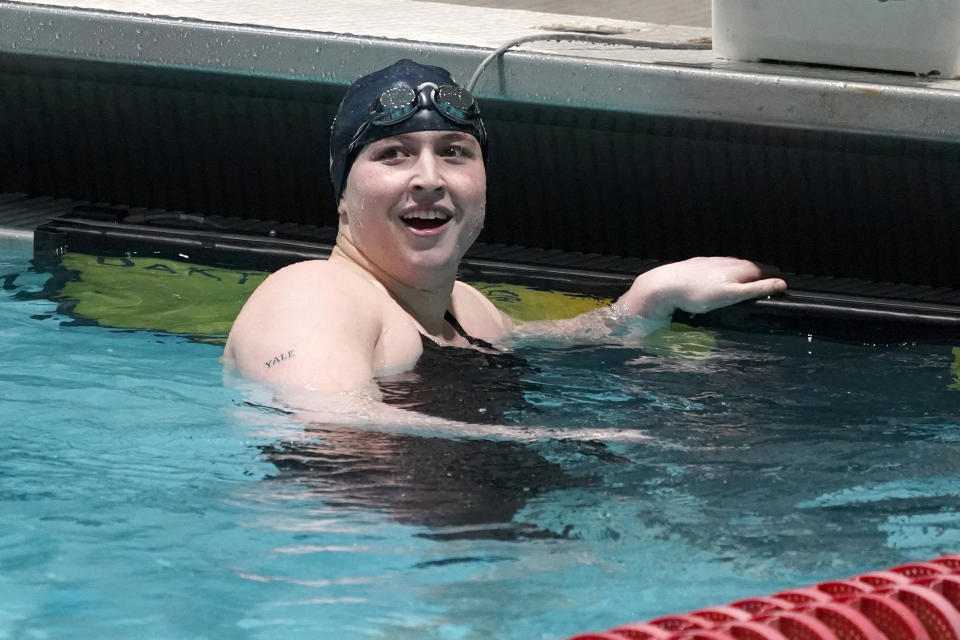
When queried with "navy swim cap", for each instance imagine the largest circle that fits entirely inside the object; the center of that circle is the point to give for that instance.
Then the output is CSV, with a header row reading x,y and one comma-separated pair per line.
x,y
354,113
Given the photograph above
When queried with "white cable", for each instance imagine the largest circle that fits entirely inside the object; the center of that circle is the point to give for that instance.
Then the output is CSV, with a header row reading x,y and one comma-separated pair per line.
x,y
581,37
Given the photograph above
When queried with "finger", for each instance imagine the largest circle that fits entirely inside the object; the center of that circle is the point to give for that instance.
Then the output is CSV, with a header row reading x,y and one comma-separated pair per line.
x,y
732,269
760,289
748,270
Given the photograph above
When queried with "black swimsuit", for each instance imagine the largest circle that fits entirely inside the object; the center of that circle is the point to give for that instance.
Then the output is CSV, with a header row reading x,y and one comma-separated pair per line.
x,y
479,384
476,342
469,488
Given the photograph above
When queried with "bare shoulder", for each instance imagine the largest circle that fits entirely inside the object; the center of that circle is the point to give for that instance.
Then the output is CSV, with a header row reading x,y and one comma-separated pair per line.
x,y
302,320
478,316
288,296
301,275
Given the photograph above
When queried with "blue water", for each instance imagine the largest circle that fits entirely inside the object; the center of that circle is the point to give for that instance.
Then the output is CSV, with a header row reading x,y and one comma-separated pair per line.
x,y
142,497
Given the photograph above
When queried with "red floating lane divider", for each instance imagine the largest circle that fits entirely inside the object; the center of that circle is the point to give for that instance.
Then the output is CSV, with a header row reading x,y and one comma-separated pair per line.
x,y
759,606
716,616
750,630
644,631
916,570
913,601
891,616
847,622
951,562
804,595
837,588
883,578
947,586
679,623
798,626
938,616
702,634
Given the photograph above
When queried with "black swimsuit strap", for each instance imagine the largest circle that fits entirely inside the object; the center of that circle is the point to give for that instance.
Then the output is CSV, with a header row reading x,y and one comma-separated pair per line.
x,y
455,324
477,342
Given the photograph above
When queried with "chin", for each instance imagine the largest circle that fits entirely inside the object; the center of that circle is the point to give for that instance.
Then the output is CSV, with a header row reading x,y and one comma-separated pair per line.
x,y
427,266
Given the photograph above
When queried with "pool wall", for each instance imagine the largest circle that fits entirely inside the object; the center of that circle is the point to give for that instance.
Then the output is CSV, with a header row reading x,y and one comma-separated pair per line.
x,y
599,149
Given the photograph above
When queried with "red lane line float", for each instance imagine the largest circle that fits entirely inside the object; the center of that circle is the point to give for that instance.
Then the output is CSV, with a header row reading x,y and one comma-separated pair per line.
x,y
916,570
797,626
749,630
913,601
759,606
951,562
838,588
679,623
883,578
894,619
938,616
642,631
847,622
701,634
804,595
716,616
947,586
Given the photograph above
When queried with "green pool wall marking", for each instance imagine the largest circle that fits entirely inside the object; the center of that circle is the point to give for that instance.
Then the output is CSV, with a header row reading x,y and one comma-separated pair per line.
x,y
199,301
157,295
525,303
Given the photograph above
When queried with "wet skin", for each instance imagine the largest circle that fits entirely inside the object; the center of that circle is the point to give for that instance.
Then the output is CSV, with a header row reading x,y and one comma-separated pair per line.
x,y
414,204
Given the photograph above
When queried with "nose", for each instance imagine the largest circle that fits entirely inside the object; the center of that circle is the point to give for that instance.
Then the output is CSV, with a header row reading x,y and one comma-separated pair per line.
x,y
427,176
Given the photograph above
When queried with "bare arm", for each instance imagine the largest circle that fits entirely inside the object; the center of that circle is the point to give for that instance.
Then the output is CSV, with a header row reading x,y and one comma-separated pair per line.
x,y
697,285
303,329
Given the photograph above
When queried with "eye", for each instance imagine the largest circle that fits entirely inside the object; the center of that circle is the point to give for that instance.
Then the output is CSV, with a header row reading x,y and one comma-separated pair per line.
x,y
456,151
387,153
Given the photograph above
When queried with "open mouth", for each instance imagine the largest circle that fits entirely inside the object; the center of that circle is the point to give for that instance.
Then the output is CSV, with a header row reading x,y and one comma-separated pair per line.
x,y
423,220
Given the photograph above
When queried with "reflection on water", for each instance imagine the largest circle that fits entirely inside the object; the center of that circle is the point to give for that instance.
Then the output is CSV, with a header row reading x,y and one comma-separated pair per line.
x,y
432,482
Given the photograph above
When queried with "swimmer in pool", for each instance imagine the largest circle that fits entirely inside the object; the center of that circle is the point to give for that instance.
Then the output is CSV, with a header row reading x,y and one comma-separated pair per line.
x,y
408,153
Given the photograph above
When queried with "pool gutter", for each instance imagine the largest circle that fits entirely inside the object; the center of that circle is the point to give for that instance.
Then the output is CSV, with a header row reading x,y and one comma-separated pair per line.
x,y
826,307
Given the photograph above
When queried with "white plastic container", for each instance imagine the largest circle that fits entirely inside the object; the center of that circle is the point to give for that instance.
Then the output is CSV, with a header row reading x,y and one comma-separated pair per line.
x,y
917,36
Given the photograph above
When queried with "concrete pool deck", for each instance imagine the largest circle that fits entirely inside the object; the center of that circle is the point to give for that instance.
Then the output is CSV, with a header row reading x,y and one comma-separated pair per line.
x,y
326,41
693,13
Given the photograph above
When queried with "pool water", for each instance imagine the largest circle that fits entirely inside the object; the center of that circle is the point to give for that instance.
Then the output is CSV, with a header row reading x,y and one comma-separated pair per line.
x,y
142,496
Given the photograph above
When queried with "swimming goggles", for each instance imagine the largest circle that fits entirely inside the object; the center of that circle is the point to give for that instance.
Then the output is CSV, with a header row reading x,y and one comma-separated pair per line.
x,y
399,103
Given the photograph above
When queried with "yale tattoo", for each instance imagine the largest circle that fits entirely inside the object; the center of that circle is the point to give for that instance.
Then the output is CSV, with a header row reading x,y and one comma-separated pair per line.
x,y
280,358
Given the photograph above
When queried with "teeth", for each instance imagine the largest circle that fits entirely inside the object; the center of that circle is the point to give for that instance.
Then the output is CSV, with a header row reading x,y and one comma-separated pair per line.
x,y
426,215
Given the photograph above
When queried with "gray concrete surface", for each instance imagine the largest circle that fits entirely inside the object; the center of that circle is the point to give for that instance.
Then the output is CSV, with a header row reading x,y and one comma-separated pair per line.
x,y
695,13
334,42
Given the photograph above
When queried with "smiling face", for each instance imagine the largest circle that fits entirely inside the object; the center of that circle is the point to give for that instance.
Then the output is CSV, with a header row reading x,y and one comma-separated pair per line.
x,y
414,203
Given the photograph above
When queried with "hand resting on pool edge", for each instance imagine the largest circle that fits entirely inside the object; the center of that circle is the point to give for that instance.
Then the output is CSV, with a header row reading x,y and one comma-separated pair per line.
x,y
697,285
408,154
